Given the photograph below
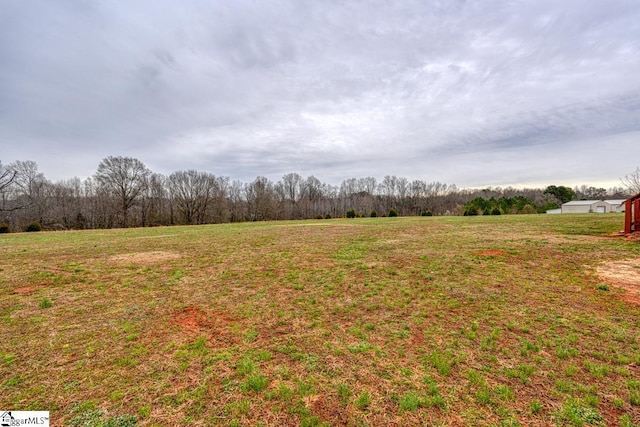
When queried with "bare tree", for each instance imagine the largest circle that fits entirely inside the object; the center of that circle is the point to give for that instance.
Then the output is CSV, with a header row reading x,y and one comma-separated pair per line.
x,y
261,199
291,189
237,203
632,181
69,203
218,210
402,189
192,191
358,194
311,195
617,193
389,189
154,201
33,190
7,176
123,178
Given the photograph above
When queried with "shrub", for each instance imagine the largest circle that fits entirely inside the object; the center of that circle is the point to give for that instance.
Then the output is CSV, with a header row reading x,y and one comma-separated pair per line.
x,y
374,214
81,221
318,217
427,213
4,227
351,213
393,212
496,211
547,206
34,226
327,216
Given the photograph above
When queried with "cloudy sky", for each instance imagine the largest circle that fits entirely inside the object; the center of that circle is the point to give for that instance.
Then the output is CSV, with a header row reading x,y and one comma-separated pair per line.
x,y
476,92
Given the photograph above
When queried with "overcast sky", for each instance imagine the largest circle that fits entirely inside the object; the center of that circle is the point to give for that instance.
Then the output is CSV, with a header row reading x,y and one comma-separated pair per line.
x,y
476,93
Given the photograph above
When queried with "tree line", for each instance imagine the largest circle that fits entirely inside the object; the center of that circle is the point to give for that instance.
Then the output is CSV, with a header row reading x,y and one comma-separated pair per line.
x,y
123,192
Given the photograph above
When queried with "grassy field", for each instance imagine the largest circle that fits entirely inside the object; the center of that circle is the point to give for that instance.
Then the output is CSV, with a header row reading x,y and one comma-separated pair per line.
x,y
389,321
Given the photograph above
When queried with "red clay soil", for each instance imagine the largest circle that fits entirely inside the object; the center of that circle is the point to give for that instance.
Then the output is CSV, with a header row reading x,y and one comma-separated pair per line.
x,y
190,319
624,275
633,236
27,290
215,325
326,408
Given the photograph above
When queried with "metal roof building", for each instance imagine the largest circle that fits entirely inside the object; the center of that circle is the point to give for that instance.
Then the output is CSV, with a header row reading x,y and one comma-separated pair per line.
x,y
617,205
586,206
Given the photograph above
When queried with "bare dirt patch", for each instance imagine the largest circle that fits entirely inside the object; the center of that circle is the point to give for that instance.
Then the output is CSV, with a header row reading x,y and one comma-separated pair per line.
x,y
215,325
27,290
491,252
191,319
326,408
633,236
624,275
144,258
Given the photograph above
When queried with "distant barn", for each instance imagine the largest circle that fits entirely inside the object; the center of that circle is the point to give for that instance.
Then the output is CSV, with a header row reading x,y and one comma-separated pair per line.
x,y
593,206
617,205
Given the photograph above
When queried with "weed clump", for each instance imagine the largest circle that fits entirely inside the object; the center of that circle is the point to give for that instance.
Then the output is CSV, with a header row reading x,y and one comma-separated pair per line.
x,y
442,362
256,382
579,415
93,417
536,406
410,402
344,393
634,392
363,401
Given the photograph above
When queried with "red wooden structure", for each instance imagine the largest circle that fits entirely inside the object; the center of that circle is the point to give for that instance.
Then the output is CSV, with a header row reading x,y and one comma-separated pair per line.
x,y
632,214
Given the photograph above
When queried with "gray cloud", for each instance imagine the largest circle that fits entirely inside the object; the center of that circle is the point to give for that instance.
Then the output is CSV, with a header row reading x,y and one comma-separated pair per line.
x,y
471,92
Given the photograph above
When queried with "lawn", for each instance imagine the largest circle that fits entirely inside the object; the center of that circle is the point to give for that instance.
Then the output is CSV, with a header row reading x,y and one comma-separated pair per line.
x,y
383,321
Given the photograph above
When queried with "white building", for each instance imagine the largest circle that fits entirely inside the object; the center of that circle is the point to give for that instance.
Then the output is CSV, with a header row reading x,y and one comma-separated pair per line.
x,y
617,206
593,206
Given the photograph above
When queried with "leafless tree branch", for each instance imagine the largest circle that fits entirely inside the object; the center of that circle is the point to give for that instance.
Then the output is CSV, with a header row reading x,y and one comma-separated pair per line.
x,y
632,181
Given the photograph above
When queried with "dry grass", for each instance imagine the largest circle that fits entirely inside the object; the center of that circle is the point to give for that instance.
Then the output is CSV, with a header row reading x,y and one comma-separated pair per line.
x,y
388,321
